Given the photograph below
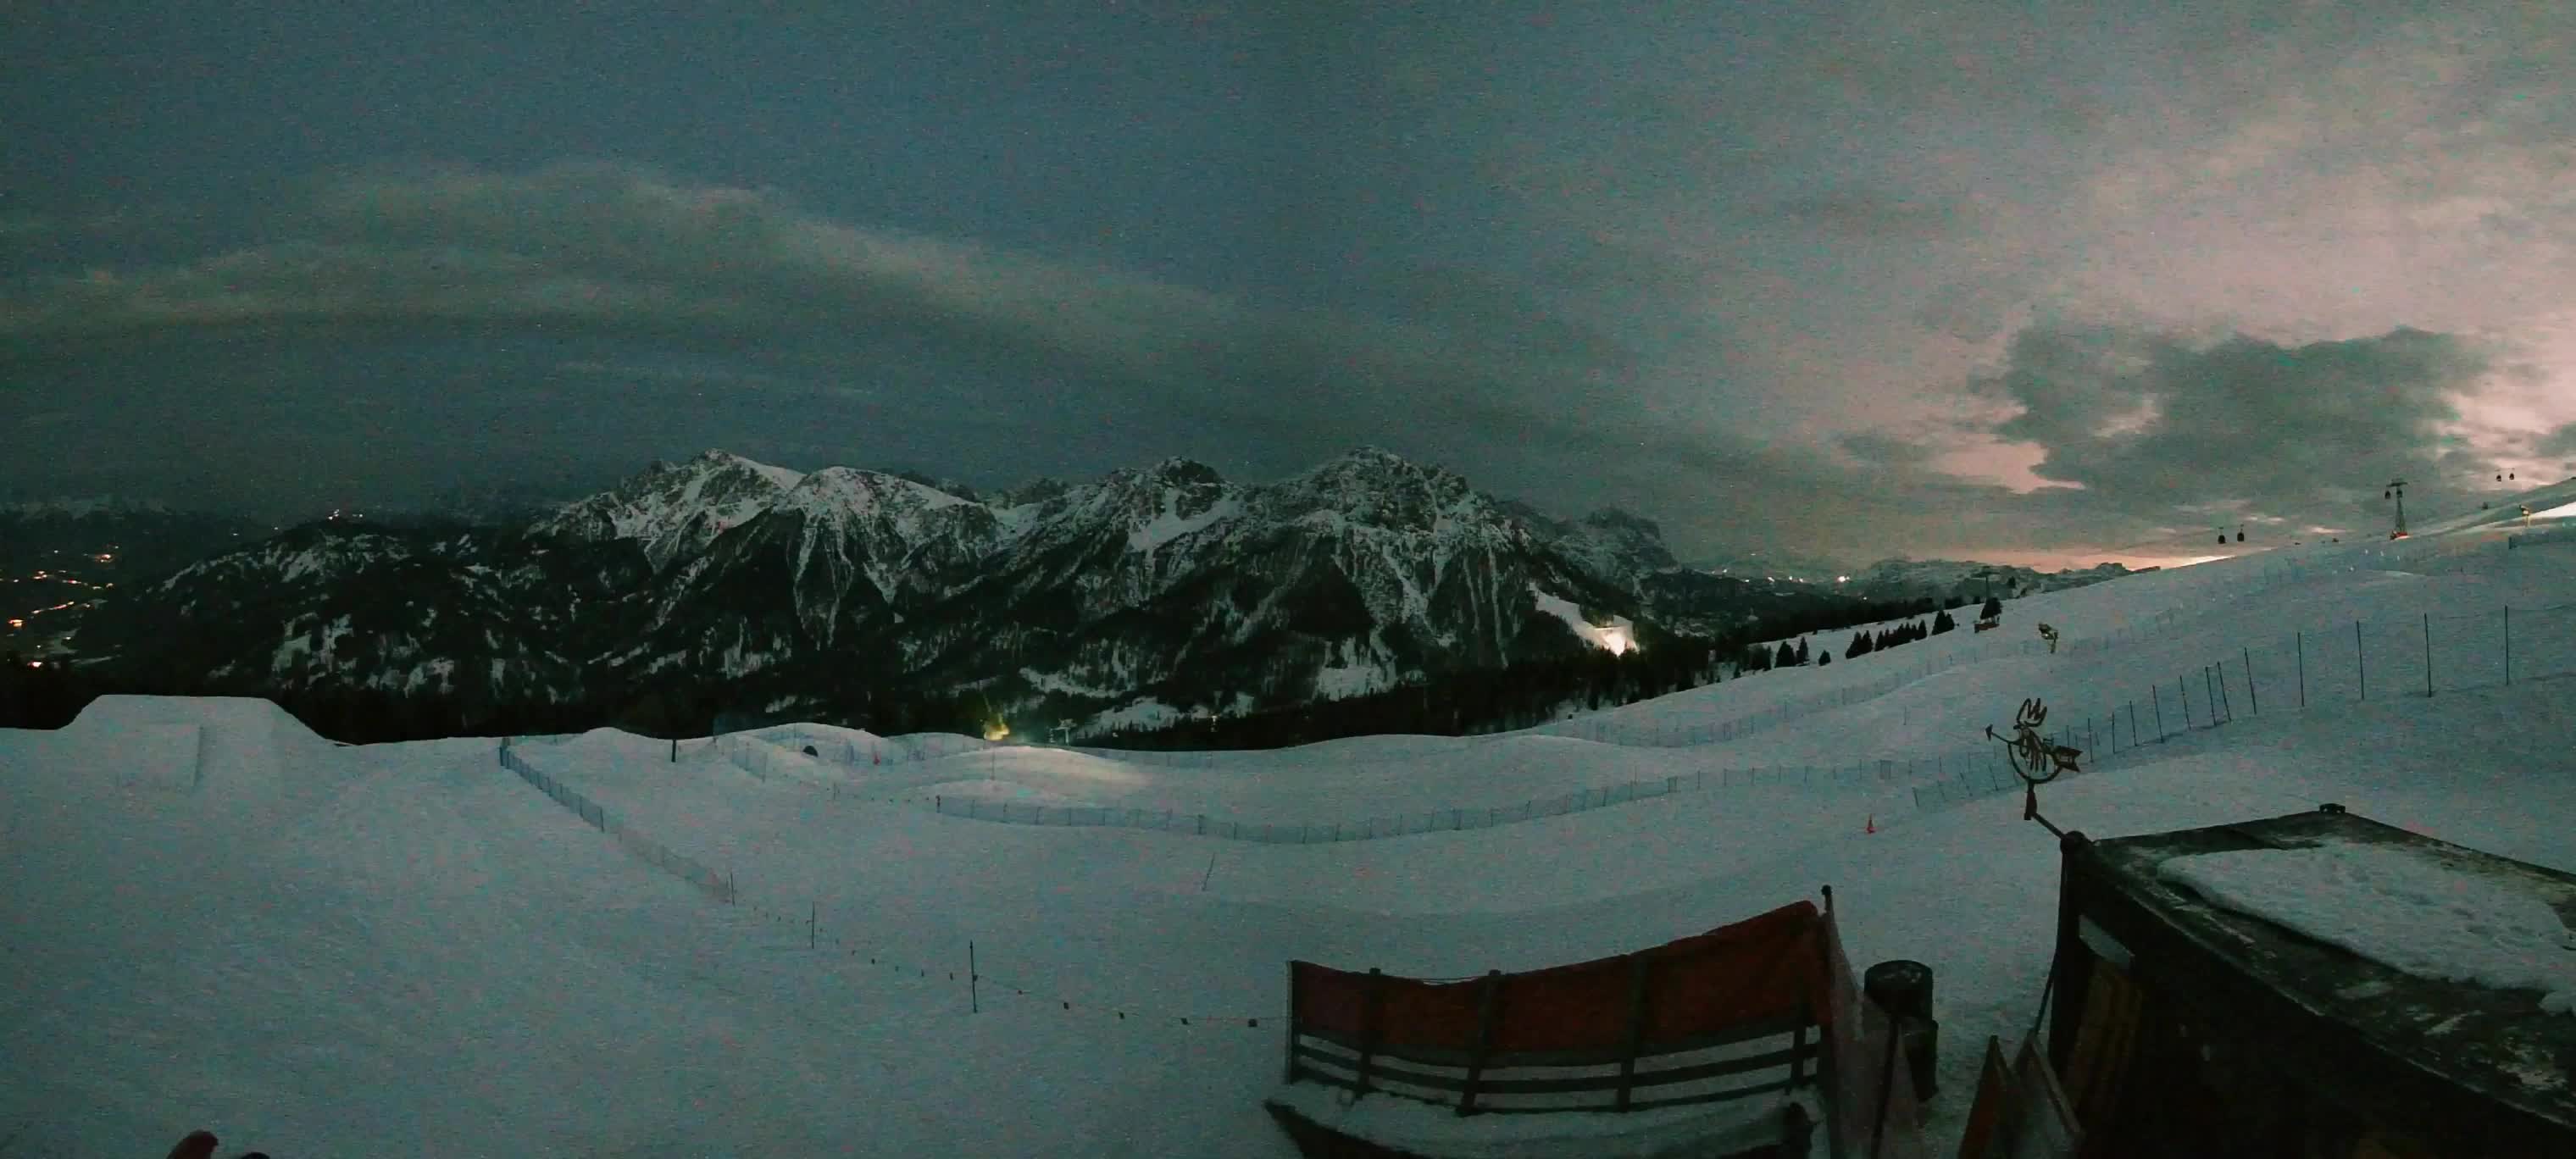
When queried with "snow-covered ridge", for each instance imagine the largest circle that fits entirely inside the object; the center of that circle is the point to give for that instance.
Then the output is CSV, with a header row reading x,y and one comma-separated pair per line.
x,y
1163,583
672,505
677,509
849,489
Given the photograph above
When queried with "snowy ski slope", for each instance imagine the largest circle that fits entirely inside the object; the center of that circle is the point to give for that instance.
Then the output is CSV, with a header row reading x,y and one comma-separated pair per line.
x,y
216,919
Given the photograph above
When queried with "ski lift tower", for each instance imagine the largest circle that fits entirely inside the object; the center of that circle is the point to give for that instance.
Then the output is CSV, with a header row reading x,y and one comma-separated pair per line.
x,y
2397,490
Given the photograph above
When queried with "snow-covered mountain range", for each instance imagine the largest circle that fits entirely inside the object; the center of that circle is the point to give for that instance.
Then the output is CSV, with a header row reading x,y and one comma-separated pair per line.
x,y
1144,595
1944,579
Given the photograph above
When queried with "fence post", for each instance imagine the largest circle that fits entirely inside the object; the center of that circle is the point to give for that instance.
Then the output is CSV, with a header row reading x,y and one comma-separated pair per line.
x,y
1373,1012
2428,654
2251,697
974,1002
2157,698
2301,639
1296,1012
2182,692
2360,660
2508,644
1637,966
2133,724
1489,1005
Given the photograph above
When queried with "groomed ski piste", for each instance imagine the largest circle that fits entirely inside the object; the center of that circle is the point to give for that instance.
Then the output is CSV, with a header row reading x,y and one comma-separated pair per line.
x,y
216,919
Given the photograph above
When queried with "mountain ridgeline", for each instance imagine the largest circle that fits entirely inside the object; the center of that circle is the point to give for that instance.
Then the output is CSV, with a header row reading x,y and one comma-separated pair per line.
x,y
723,587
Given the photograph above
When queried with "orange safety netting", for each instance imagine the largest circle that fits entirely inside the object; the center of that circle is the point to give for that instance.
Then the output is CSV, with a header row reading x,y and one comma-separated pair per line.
x,y
1766,967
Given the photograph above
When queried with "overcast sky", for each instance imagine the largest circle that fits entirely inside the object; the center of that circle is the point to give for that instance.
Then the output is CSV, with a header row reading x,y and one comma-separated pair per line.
x,y
2037,282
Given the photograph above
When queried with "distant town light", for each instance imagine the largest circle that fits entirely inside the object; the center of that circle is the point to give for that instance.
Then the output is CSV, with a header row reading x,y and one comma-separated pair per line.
x,y
1842,579
15,622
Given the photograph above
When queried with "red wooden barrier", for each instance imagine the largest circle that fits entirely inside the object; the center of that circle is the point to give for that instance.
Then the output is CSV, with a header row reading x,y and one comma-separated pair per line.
x,y
1719,995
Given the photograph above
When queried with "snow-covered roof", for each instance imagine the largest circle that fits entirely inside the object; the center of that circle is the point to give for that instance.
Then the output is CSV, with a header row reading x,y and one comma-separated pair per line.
x,y
2353,1002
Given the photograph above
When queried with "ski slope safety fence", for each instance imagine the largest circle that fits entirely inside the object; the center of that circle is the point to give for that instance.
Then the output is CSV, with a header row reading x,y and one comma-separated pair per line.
x,y
660,856
2422,656
979,984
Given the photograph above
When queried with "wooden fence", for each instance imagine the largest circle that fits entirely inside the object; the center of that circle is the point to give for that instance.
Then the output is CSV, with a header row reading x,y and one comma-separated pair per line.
x,y
1727,1014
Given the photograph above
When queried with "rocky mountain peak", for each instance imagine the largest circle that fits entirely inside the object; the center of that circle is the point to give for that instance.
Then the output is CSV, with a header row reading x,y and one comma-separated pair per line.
x,y
1375,487
1149,589
672,510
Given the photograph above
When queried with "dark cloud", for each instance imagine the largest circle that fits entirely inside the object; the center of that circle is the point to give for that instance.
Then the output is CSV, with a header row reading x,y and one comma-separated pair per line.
x,y
2558,442
1857,509
2151,425
1976,308
620,253
615,249
1753,270
1856,215
1875,449
1490,372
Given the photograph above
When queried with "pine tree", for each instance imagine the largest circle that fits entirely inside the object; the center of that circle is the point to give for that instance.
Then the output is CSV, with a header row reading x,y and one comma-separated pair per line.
x,y
1825,657
1994,607
1802,650
1860,646
1943,623
1786,658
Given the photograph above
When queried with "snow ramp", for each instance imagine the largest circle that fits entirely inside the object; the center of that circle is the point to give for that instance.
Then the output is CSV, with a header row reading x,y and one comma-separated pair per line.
x,y
234,748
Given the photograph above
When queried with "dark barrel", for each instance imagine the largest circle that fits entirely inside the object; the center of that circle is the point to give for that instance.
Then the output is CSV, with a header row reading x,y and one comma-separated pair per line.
x,y
1903,988
1900,987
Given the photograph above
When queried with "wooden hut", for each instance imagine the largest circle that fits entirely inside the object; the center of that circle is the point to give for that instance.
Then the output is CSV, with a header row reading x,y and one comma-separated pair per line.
x,y
2182,1026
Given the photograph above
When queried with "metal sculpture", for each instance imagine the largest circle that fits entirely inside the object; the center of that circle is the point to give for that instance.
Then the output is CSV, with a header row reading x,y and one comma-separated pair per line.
x,y
2034,758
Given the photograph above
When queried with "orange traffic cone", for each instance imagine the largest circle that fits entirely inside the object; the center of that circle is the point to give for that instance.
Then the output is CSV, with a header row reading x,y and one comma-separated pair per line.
x,y
1873,824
